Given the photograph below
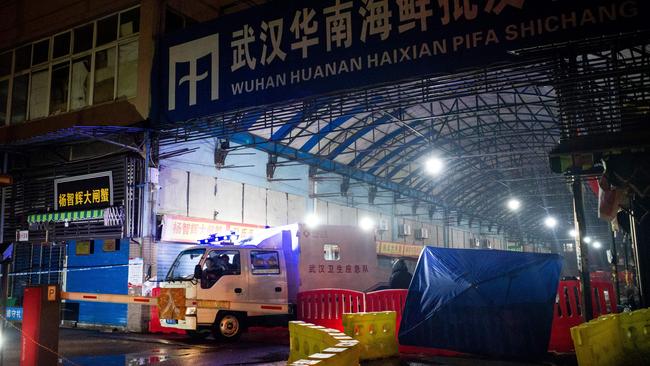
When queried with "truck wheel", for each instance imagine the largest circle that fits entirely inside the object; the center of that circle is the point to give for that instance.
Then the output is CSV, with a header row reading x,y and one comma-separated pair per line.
x,y
228,326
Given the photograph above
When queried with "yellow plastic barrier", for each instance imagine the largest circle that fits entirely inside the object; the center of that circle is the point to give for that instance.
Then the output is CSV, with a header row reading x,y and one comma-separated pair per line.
x,y
375,333
635,329
315,345
598,342
614,340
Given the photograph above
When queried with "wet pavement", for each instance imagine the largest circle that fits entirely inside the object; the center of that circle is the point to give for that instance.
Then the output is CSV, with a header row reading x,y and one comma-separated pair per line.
x,y
261,346
79,347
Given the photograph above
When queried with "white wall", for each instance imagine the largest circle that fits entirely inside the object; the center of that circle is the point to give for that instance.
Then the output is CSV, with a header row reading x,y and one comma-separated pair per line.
x,y
221,199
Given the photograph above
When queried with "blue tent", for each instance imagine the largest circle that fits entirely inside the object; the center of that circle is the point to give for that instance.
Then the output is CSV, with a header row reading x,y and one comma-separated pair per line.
x,y
488,302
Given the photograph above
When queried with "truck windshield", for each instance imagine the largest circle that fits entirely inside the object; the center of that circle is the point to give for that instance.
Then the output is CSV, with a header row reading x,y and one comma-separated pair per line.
x,y
183,267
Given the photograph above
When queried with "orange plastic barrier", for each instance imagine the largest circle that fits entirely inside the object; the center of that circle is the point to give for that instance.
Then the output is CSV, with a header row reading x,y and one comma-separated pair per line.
x,y
325,307
154,320
567,312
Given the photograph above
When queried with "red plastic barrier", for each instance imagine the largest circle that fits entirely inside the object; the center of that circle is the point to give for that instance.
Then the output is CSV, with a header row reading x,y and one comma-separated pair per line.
x,y
567,312
326,306
566,315
603,298
154,321
387,300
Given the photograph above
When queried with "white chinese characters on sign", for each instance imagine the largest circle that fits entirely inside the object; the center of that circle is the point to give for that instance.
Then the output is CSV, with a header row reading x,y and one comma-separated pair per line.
x,y
241,54
304,28
191,52
460,8
412,11
468,9
338,25
376,19
271,35
329,35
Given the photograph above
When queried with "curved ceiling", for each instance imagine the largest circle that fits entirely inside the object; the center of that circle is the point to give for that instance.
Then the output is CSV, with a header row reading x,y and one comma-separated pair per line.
x,y
495,146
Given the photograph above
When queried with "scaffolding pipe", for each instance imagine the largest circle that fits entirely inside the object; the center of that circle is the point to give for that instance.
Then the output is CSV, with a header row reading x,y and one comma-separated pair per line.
x,y
582,250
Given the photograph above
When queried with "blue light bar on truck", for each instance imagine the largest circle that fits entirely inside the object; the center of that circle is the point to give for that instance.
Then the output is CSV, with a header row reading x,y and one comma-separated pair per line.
x,y
218,238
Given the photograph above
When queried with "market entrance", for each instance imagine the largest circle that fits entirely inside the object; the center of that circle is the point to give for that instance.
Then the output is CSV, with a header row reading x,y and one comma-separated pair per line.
x,y
442,118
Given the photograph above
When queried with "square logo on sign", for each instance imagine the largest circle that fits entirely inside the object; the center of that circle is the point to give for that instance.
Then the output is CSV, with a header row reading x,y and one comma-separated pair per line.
x,y
187,67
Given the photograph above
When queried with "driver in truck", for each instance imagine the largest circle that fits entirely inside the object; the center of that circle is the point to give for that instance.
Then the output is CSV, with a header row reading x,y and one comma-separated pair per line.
x,y
211,273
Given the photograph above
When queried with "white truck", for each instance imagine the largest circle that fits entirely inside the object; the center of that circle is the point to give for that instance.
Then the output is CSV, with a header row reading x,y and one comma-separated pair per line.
x,y
264,273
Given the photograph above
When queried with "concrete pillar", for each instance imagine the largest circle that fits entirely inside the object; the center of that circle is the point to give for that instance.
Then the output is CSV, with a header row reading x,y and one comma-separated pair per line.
x,y
151,15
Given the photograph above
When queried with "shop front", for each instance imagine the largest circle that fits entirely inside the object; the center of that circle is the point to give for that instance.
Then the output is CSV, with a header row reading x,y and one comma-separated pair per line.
x,y
74,223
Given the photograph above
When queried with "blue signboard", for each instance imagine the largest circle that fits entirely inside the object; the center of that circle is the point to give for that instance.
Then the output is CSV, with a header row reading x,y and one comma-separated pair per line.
x,y
14,313
288,50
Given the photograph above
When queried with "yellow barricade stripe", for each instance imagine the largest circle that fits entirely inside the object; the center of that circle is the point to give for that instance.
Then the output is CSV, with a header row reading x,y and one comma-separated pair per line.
x,y
316,345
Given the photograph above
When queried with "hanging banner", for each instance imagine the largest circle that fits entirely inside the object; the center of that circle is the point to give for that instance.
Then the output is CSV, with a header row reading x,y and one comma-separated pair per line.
x,y
399,249
182,229
412,251
390,249
286,50
84,191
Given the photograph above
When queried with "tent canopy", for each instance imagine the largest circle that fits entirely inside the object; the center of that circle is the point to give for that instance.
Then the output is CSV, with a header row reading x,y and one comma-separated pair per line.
x,y
481,301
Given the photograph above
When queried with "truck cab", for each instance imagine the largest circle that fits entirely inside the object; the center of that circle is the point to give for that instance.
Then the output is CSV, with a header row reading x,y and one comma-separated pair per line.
x,y
234,273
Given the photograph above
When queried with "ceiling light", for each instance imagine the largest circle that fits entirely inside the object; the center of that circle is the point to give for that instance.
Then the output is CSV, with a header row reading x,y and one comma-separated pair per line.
x,y
434,165
550,222
514,204
311,220
572,233
366,224
597,245
587,239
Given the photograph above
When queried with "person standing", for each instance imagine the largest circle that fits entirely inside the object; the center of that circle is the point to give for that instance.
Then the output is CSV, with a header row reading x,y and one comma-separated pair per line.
x,y
400,278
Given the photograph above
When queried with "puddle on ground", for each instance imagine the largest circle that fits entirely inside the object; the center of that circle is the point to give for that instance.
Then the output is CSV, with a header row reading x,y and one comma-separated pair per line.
x,y
157,356
136,359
